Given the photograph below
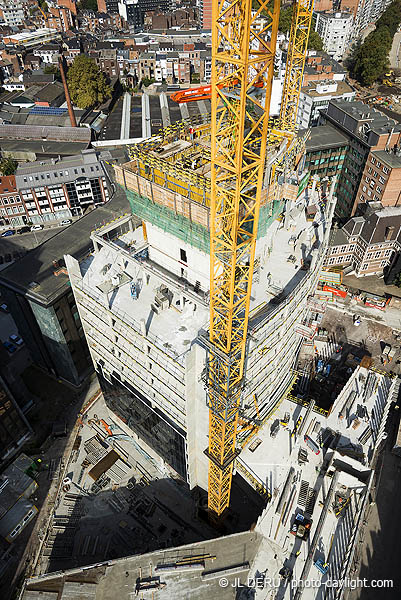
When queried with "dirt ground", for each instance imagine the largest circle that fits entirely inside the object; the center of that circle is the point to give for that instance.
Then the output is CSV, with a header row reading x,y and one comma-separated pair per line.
x,y
370,336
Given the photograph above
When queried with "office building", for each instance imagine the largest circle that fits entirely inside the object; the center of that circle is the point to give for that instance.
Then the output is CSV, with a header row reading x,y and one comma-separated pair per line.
x,y
143,302
315,97
366,129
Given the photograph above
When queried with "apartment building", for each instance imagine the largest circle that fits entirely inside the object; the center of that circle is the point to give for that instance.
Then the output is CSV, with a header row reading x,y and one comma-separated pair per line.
x,y
61,189
335,29
12,12
381,180
367,243
319,66
60,18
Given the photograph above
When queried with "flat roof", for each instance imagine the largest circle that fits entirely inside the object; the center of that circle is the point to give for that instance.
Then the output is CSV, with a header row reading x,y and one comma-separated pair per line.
x,y
391,159
36,265
235,555
325,136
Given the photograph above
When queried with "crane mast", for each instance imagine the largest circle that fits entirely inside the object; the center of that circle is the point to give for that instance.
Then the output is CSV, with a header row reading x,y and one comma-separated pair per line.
x,y
294,71
244,37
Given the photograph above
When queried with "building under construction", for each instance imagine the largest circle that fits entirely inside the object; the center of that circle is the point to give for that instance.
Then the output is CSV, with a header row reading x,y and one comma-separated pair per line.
x,y
143,296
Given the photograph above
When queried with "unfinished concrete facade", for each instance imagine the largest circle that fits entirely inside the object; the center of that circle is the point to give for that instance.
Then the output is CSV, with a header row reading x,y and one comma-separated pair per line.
x,y
143,297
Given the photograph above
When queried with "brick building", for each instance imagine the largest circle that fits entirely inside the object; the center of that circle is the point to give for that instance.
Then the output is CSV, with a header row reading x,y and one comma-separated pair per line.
x,y
381,180
367,243
366,129
319,66
12,207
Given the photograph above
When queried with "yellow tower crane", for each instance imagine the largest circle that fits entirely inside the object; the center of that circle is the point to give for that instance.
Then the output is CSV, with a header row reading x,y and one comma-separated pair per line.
x,y
243,48
294,71
244,35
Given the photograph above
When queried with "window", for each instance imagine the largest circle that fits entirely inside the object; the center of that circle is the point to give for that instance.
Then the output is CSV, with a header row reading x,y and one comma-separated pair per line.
x,y
183,255
386,170
378,164
381,180
373,161
364,267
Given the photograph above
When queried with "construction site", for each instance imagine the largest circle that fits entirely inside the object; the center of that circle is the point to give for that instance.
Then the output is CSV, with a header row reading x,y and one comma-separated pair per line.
x,y
209,456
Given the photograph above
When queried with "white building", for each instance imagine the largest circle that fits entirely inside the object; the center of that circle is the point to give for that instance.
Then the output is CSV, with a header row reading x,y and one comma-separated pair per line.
x,y
335,29
11,12
143,303
316,96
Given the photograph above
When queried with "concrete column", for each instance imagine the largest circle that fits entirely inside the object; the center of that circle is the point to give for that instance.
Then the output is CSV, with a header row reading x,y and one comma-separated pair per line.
x,y
143,327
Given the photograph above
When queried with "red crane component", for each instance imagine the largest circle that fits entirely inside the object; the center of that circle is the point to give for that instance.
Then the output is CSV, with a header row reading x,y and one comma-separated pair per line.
x,y
200,93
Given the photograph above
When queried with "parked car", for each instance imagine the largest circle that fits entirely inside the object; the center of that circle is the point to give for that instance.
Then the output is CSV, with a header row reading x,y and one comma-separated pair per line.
x,y
36,227
16,339
357,320
66,222
8,232
4,308
9,347
25,229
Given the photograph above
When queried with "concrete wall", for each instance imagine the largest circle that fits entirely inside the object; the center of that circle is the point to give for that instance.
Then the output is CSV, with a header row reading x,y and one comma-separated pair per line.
x,y
165,250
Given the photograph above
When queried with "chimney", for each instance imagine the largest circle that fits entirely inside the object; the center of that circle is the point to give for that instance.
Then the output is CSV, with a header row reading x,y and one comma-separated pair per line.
x,y
67,93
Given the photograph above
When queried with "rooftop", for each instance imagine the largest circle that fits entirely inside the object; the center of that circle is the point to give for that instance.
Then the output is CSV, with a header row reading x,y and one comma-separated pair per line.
x,y
341,88
233,554
377,121
389,158
325,136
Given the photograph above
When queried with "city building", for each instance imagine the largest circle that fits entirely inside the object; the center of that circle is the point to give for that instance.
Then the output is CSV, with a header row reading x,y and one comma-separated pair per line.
x,y
16,487
319,66
315,97
205,14
368,243
12,208
14,428
59,18
381,179
326,149
335,29
142,300
61,189
30,39
38,294
12,12
366,129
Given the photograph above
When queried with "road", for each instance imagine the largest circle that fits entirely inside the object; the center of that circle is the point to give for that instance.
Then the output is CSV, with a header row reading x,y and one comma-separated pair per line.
x,y
394,55
22,243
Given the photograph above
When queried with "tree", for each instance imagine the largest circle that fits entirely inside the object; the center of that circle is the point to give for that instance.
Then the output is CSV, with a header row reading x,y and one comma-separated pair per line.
x,y
87,5
8,166
284,23
87,84
315,42
52,70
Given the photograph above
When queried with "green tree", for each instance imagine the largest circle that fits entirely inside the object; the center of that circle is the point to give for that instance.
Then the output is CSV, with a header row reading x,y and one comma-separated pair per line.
x,y
315,41
87,5
284,23
52,70
87,84
43,5
8,166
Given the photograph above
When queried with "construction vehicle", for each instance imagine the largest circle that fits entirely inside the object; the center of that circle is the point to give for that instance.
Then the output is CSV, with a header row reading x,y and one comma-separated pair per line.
x,y
243,52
